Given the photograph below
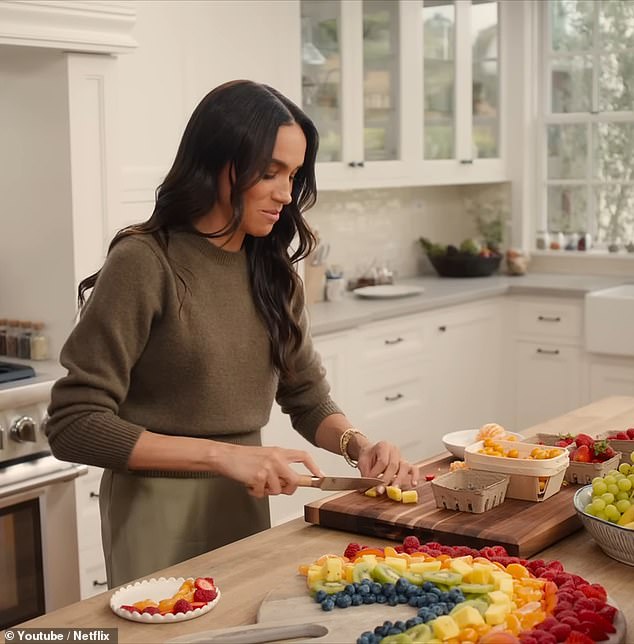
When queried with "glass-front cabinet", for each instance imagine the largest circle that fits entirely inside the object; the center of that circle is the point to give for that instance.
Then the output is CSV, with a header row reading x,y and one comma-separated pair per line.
x,y
403,92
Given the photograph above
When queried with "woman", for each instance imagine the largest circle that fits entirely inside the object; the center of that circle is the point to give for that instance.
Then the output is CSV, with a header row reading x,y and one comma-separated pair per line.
x,y
194,325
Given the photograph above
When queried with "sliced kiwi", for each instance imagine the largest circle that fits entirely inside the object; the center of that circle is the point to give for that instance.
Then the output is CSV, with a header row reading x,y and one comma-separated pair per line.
x,y
362,570
420,633
476,589
480,605
329,587
445,577
384,574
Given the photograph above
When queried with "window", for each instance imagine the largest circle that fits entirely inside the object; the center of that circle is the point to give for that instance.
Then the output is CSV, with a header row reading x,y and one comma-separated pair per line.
x,y
588,119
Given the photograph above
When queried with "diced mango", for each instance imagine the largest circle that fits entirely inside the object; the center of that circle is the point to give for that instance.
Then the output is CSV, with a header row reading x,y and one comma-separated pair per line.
x,y
517,571
467,616
425,566
498,597
397,563
395,493
445,627
409,496
496,614
505,585
457,565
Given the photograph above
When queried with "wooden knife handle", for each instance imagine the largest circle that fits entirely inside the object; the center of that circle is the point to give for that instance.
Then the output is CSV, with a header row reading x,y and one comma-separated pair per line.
x,y
308,481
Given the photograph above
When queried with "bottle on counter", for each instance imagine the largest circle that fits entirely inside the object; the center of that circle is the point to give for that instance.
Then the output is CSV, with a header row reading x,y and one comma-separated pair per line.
x,y
3,336
543,240
24,340
13,335
39,342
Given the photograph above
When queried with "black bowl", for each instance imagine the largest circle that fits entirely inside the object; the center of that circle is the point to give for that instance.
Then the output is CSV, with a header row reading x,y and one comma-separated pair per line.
x,y
464,265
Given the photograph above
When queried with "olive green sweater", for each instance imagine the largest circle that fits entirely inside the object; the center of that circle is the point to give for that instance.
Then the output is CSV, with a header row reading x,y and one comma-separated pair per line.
x,y
148,354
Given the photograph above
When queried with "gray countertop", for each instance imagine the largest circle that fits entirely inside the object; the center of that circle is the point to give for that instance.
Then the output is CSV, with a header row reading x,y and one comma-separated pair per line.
x,y
329,317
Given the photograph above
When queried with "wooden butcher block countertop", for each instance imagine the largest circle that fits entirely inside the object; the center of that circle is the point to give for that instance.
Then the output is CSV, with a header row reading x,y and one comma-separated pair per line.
x,y
246,571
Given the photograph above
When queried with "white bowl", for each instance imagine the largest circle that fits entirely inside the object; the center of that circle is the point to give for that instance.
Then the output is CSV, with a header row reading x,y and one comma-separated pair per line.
x,y
455,442
617,542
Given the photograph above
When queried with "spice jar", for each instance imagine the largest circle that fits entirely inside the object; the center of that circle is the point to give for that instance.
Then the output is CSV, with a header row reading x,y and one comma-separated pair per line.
x,y
13,334
3,336
24,340
543,240
39,342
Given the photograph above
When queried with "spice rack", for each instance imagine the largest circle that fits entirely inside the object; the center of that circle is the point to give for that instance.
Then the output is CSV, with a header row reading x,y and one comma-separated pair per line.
x,y
23,339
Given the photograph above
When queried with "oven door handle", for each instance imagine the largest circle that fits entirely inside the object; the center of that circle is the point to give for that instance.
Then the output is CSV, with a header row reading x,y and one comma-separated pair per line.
x,y
66,474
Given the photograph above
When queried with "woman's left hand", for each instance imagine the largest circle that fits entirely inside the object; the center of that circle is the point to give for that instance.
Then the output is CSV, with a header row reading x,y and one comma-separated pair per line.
x,y
383,460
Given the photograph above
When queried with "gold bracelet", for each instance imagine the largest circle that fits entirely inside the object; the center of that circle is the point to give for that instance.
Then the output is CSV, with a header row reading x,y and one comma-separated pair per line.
x,y
343,445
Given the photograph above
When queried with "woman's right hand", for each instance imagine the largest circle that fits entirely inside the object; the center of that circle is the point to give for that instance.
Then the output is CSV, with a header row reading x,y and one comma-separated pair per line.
x,y
265,470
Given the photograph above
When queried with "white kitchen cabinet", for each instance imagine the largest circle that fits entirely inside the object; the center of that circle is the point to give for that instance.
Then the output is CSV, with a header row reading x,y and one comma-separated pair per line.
x,y
548,360
610,377
92,568
405,93
465,373
391,375
334,351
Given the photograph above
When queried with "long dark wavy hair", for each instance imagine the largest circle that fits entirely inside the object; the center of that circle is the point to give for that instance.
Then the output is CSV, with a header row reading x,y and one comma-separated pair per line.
x,y
236,124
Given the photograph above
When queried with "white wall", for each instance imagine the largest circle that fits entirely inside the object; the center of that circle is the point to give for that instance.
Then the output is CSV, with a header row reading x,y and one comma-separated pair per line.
x,y
185,50
36,250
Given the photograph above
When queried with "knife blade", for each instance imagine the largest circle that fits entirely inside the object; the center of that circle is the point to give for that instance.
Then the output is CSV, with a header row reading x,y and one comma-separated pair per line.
x,y
332,483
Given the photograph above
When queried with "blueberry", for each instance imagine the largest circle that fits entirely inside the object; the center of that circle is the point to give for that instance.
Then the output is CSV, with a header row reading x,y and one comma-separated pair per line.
x,y
320,595
401,599
400,624
388,624
363,589
376,588
432,598
401,584
394,631
436,591
412,591
392,601
389,589
365,638
438,609
370,598
381,599
450,606
343,601
357,600
350,589
327,604
413,602
427,586
379,631
413,621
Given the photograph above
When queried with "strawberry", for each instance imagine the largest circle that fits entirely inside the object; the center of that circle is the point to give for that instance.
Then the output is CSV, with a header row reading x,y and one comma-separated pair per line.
x,y
593,630
622,436
630,433
583,439
577,637
151,610
595,618
601,451
204,583
130,609
582,454
594,591
609,612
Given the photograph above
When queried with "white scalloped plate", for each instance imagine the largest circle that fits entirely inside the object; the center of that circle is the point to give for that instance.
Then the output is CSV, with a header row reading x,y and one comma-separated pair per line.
x,y
154,589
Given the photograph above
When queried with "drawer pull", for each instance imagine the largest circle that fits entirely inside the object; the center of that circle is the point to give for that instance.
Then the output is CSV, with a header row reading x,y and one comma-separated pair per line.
x,y
550,352
99,583
396,341
393,398
442,328
546,318
94,495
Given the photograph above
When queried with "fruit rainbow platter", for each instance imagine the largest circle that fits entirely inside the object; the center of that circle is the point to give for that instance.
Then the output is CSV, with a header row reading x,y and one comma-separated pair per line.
x,y
460,595
165,600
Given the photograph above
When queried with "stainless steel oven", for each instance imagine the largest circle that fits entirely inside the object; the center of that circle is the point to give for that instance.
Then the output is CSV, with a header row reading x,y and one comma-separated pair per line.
x,y
39,566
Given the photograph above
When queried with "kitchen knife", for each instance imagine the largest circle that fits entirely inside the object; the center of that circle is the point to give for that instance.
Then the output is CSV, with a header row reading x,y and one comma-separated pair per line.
x,y
253,634
339,482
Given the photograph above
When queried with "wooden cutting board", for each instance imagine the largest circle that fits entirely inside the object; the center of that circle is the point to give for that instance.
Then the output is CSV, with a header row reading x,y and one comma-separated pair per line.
x,y
522,527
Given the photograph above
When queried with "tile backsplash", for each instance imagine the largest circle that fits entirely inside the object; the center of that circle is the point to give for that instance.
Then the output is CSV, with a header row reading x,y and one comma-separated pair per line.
x,y
383,226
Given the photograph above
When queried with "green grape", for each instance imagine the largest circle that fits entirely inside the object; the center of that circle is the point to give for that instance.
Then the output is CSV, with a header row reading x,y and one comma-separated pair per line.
x,y
630,477
632,457
614,473
589,509
624,484
612,513
601,515
599,487
609,479
608,497
597,479
598,504
622,505
621,495
625,468
613,488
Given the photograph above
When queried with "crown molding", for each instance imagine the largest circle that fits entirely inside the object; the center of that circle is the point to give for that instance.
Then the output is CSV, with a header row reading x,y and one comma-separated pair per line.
x,y
72,25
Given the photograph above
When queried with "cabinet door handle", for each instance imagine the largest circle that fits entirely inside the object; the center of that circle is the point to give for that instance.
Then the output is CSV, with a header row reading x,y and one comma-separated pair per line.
x,y
546,318
550,352
466,161
393,398
94,495
442,328
395,341
356,164
99,583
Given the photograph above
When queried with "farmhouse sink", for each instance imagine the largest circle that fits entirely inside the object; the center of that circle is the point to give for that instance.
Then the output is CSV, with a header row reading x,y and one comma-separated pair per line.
x,y
609,323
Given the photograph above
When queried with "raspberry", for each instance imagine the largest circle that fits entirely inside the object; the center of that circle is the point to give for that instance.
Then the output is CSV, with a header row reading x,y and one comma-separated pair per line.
x,y
205,583
527,639
411,542
561,631
202,595
547,624
544,637
352,550
182,606
151,610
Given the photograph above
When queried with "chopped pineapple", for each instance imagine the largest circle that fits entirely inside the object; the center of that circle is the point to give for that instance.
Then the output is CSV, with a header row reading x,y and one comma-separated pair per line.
x,y
333,569
395,493
371,492
479,575
445,627
398,563
460,566
496,614
425,566
467,616
409,496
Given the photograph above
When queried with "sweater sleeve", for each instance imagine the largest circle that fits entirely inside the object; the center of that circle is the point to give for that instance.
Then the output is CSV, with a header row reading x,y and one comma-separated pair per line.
x,y
100,354
305,396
